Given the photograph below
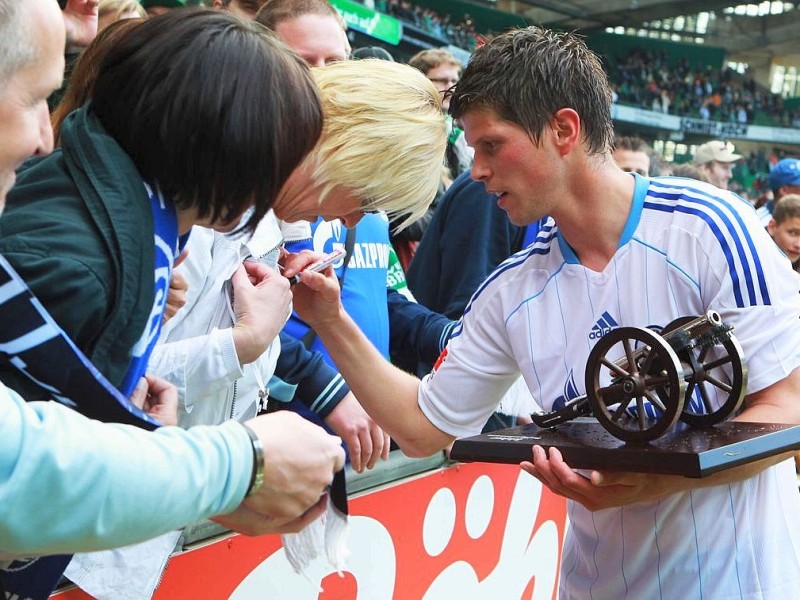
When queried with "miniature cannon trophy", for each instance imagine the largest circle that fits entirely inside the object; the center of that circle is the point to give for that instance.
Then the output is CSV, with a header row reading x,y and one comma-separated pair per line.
x,y
630,368
654,403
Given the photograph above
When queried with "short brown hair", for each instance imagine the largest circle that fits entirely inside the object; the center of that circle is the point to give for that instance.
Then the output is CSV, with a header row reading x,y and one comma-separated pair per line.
x,y
278,11
631,142
689,171
427,60
787,207
526,75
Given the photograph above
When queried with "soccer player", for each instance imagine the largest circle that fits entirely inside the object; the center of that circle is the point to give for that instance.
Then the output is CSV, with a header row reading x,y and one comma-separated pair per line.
x,y
618,249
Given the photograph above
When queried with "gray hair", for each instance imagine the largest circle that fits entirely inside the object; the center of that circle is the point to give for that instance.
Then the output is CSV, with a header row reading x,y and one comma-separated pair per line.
x,y
16,50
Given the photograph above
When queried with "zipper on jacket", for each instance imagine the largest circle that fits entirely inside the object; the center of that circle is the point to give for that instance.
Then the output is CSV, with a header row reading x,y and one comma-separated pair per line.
x,y
233,400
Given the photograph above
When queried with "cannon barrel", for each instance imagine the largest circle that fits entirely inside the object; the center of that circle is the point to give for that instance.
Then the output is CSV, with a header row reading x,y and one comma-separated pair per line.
x,y
696,327
683,336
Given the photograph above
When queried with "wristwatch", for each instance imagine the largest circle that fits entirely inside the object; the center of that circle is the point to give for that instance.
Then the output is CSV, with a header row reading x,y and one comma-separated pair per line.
x,y
257,477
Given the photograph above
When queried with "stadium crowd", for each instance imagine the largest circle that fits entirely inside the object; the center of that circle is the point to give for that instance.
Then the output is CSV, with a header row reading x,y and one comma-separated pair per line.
x,y
654,81
644,78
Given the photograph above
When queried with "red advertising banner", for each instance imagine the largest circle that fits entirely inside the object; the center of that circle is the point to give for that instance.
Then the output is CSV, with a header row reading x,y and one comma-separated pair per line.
x,y
464,531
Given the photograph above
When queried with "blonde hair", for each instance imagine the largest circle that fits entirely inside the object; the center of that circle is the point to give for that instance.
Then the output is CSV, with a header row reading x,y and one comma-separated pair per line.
x,y
383,137
119,8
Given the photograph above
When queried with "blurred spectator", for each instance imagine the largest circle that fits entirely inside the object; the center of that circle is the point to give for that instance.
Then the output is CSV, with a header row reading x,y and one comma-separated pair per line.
x,y
716,160
784,227
653,80
314,30
372,52
648,79
158,7
109,11
690,172
463,34
244,8
444,70
784,179
632,154
659,166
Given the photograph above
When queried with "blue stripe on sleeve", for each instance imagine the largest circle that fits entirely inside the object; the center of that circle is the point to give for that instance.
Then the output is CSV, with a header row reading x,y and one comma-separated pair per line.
x,y
750,261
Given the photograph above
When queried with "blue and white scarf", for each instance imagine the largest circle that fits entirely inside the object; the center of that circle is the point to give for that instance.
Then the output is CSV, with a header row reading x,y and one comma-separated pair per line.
x,y
167,249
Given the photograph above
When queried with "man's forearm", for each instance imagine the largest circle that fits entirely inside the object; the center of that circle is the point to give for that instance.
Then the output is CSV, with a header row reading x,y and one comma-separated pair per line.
x,y
388,394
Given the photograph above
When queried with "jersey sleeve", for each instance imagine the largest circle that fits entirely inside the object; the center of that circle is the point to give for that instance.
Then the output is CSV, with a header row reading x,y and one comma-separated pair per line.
x,y
473,373
749,281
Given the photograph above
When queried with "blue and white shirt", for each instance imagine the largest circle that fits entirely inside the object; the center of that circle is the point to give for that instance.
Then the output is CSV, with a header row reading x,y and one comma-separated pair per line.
x,y
687,247
364,289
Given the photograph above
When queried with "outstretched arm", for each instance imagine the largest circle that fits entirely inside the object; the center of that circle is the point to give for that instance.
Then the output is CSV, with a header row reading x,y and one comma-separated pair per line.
x,y
387,394
194,474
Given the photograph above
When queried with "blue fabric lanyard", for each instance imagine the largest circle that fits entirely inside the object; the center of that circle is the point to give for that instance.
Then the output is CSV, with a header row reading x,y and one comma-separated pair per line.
x,y
166,244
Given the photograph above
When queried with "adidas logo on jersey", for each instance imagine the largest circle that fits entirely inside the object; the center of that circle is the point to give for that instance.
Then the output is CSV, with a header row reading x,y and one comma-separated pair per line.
x,y
604,324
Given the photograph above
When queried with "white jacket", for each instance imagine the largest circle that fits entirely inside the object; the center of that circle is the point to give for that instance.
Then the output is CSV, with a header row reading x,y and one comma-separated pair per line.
x,y
196,351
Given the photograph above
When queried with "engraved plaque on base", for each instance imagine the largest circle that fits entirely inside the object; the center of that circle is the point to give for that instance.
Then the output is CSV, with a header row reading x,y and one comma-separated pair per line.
x,y
585,444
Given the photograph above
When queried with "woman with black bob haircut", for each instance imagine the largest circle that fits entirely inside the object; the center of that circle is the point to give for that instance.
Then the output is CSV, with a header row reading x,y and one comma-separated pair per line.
x,y
196,117
202,110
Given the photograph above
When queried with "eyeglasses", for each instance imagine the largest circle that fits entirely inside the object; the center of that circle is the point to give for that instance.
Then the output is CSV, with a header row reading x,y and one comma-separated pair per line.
x,y
444,80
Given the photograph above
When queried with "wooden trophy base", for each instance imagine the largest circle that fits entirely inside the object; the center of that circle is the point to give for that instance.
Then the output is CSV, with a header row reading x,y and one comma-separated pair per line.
x,y
585,444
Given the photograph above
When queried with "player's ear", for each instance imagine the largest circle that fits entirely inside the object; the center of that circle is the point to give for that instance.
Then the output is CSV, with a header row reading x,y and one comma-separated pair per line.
x,y
566,126
772,226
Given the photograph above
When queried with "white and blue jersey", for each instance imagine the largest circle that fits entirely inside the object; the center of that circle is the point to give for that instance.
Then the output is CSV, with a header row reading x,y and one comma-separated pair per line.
x,y
687,248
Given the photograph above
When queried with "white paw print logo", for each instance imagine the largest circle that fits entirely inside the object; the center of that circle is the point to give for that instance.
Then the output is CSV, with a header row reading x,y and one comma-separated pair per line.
x,y
525,554
440,518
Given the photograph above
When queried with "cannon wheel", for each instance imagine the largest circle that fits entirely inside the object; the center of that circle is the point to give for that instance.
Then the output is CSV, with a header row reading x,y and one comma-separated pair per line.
x,y
649,369
704,366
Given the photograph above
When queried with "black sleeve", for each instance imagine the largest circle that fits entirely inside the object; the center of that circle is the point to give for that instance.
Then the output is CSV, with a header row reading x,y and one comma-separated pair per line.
x,y
319,386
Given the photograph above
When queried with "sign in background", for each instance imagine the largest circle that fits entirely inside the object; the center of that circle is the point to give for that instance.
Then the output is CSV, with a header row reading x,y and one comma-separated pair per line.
x,y
374,23
711,129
